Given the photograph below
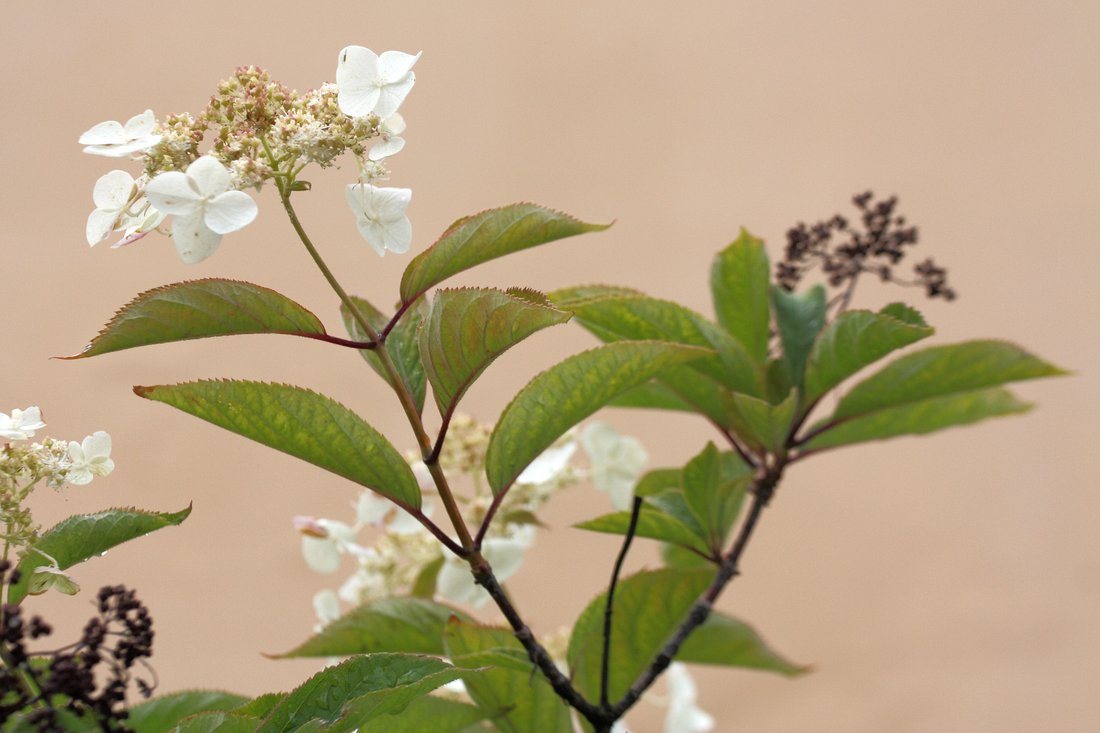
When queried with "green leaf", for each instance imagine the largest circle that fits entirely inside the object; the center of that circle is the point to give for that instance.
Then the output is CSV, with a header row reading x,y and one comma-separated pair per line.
x,y
657,480
164,713
516,701
428,713
261,707
77,538
681,558
739,285
412,625
649,607
653,396
905,314
800,317
943,370
714,494
851,342
568,392
402,344
218,721
301,423
424,585
359,689
566,298
638,317
919,418
725,641
652,523
466,329
762,424
198,309
482,237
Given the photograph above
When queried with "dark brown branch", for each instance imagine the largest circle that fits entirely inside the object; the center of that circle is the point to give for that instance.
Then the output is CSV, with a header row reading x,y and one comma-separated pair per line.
x,y
605,662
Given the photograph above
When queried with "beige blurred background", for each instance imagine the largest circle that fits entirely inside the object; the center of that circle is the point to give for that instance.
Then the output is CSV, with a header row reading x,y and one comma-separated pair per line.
x,y
949,583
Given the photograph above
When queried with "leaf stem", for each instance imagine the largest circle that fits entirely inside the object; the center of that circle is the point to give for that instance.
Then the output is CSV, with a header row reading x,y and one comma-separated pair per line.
x,y
605,663
407,402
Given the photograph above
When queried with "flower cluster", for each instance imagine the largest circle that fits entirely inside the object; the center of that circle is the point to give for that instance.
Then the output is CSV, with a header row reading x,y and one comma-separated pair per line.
x,y
844,252
257,131
86,681
405,556
24,465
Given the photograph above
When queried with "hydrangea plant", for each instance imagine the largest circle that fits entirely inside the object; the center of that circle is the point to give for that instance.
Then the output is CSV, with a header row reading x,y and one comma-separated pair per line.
x,y
450,522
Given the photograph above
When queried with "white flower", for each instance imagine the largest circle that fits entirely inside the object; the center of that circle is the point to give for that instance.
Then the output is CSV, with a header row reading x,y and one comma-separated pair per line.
x,y
139,221
380,215
45,577
505,554
370,84
115,140
684,716
391,143
327,607
323,542
203,205
21,424
617,462
550,464
111,195
90,458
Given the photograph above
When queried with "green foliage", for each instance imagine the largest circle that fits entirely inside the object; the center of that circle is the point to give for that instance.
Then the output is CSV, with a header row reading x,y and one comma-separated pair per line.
x,y
761,424
649,606
852,341
402,344
201,308
568,392
516,700
466,329
358,690
725,641
301,423
82,536
653,524
428,713
482,237
739,281
799,318
162,714
413,625
713,490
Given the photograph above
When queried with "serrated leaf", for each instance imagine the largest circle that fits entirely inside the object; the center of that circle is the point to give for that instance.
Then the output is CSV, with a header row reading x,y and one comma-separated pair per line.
x,y
568,392
402,344
466,329
198,309
649,607
410,625
638,317
301,423
261,707
739,286
486,236
516,701
799,317
77,538
162,714
943,370
652,524
357,690
762,424
904,313
725,641
566,298
652,396
428,713
714,495
919,418
852,341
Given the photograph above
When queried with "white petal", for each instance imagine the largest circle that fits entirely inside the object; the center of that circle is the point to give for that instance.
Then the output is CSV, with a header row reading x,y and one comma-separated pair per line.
x,y
172,193
326,605
395,64
121,151
98,444
599,440
100,225
208,176
76,452
372,509
356,194
404,523
140,125
550,463
392,95
389,204
322,555
397,236
105,133
356,81
230,211
456,583
393,125
112,191
386,148
374,234
194,240
505,555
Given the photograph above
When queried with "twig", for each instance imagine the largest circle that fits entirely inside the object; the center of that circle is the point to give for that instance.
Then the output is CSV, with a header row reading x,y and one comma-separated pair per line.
x,y
605,665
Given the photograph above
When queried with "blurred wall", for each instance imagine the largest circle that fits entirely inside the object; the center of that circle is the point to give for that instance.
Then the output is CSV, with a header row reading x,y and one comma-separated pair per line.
x,y
942,584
